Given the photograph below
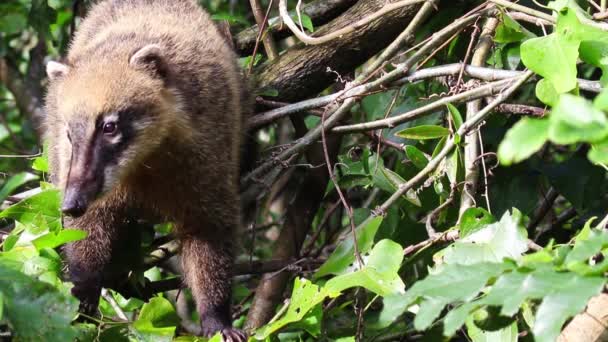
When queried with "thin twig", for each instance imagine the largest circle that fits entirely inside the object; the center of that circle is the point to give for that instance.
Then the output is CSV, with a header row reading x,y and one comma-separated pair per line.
x,y
524,9
113,304
349,209
345,30
429,219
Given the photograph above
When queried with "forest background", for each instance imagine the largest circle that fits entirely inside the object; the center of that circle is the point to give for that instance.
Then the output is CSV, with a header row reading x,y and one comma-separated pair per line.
x,y
425,170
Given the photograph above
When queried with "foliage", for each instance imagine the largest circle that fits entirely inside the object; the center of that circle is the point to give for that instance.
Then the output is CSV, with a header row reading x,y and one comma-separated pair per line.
x,y
426,267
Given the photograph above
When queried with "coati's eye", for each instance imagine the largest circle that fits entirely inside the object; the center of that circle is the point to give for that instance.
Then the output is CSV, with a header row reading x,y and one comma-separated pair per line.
x,y
109,128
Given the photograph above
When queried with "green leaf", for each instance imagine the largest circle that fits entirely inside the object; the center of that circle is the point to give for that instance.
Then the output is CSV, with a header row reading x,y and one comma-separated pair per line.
x,y
379,274
390,181
599,152
14,183
41,164
452,283
343,256
424,132
563,296
52,240
417,157
507,334
546,92
45,204
474,219
306,21
304,297
504,239
574,119
510,31
585,248
523,139
455,115
13,18
157,318
35,310
553,57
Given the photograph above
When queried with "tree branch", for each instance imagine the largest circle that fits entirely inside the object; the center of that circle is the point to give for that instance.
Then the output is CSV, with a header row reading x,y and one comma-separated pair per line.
x,y
471,145
319,11
303,71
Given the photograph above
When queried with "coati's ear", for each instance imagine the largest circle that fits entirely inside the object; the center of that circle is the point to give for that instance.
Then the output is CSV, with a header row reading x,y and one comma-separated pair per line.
x,y
56,70
149,57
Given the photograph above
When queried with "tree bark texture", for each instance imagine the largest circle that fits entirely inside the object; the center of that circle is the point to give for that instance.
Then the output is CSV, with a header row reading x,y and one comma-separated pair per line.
x,y
319,11
304,71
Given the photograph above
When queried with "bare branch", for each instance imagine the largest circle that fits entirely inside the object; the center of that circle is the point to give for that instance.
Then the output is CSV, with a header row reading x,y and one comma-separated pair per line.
x,y
345,30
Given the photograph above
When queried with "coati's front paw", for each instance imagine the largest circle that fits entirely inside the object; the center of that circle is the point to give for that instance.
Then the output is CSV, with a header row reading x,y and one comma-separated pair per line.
x,y
88,297
228,334
233,335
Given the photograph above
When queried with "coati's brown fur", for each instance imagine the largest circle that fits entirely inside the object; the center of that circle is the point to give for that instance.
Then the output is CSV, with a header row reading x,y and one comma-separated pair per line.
x,y
145,116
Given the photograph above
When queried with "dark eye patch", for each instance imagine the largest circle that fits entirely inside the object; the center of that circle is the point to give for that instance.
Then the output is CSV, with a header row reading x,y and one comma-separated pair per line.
x,y
125,126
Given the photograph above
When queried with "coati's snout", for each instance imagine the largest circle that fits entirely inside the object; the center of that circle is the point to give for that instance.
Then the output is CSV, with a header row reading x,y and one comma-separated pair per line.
x,y
85,173
76,200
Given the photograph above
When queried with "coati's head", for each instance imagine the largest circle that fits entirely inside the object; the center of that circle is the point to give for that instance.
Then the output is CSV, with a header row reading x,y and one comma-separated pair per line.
x,y
104,118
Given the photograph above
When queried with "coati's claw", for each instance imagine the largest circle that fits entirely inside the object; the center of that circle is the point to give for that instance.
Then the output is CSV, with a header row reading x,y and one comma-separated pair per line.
x,y
233,335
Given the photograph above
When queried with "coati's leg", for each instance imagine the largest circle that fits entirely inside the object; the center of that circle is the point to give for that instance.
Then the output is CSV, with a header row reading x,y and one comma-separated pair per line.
x,y
207,263
87,259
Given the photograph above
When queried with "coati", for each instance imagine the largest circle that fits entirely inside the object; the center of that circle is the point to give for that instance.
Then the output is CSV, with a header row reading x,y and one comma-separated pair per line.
x,y
144,115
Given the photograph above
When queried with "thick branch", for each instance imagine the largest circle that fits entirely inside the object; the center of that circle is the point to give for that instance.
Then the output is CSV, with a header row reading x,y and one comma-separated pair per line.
x,y
471,145
319,11
306,70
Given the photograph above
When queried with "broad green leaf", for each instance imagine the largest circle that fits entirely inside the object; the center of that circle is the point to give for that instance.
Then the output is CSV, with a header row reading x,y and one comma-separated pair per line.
x,y
504,239
523,139
15,182
553,57
424,132
599,152
417,157
35,310
563,296
574,119
508,334
601,101
474,219
311,322
584,249
157,318
343,256
44,204
52,240
304,297
379,274
451,283
546,93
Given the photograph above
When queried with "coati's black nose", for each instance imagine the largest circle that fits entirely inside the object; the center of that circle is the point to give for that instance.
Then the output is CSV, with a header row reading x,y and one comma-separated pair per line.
x,y
73,205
